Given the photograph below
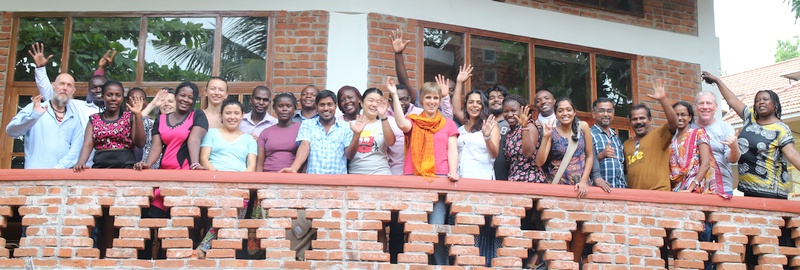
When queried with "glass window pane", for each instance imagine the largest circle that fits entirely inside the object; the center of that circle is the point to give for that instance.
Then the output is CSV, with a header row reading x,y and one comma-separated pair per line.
x,y
246,105
564,73
179,49
93,37
48,31
500,62
18,162
614,82
244,49
443,53
19,144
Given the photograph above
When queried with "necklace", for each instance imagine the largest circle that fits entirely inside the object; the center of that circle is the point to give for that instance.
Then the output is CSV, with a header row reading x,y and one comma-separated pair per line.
x,y
59,118
62,111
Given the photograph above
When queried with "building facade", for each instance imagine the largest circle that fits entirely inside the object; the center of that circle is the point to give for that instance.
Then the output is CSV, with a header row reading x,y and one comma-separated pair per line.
x,y
581,49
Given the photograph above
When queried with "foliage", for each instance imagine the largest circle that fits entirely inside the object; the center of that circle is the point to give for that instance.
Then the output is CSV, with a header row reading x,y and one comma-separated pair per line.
x,y
614,82
564,73
795,5
514,55
433,37
185,46
787,49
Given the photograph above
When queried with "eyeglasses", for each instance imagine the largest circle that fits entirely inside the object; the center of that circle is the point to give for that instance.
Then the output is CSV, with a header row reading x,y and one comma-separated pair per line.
x,y
610,111
636,148
683,115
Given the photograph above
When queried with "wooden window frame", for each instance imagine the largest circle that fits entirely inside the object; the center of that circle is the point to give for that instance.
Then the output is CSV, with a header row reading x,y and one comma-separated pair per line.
x,y
617,122
14,88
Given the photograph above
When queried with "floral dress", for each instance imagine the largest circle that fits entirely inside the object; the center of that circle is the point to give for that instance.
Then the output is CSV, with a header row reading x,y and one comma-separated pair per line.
x,y
521,168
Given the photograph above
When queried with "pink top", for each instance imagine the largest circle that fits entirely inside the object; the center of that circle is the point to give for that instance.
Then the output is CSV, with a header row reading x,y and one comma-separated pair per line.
x,y
279,146
176,150
439,148
114,134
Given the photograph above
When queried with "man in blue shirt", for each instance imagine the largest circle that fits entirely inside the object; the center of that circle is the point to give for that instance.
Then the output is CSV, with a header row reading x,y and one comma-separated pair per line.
x,y
323,140
308,106
53,134
607,146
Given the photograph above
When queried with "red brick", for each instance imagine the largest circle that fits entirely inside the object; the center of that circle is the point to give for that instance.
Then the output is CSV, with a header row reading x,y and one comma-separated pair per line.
x,y
173,233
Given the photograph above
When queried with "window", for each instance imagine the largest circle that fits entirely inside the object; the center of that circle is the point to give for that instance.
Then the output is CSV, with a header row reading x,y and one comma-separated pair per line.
x,y
47,31
566,74
524,65
501,62
92,37
614,82
244,49
443,53
623,6
179,49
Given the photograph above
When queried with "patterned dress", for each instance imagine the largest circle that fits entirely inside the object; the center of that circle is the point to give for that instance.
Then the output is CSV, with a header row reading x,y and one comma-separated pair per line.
x,y
576,163
521,168
763,169
684,163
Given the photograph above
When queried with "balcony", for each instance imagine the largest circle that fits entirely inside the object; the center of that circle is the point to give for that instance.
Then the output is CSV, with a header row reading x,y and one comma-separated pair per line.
x,y
625,229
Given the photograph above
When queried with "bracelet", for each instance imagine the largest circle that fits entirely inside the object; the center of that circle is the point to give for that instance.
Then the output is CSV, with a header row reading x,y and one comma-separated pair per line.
x,y
385,118
486,138
194,166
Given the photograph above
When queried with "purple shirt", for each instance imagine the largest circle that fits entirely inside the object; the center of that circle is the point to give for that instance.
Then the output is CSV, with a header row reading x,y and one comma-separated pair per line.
x,y
279,146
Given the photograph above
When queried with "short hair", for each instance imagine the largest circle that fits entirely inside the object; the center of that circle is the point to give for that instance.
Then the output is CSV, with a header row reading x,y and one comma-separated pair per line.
x,y
326,94
261,87
284,95
401,87
429,88
639,107
134,90
99,77
105,87
601,100
503,91
706,93
229,102
195,90
515,98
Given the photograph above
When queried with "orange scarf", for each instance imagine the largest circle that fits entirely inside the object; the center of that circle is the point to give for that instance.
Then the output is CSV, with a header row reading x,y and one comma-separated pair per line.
x,y
422,145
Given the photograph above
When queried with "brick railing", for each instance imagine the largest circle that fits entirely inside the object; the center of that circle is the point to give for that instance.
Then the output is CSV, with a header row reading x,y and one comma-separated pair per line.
x,y
627,228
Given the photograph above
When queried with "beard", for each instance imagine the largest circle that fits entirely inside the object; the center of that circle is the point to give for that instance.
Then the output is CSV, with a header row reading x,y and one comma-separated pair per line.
x,y
496,111
61,101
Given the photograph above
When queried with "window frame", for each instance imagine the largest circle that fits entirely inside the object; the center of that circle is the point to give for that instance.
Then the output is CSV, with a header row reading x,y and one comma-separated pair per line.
x,y
14,89
601,8
617,122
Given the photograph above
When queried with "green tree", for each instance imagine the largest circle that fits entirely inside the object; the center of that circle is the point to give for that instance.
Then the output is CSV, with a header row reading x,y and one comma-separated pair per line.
x,y
787,49
795,4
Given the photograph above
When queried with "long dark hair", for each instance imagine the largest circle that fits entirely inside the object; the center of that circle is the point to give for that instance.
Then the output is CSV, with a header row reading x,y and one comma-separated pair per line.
x,y
688,108
478,125
575,122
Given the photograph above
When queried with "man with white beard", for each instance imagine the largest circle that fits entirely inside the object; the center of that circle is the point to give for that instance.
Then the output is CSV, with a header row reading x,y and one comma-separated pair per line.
x,y
53,132
724,145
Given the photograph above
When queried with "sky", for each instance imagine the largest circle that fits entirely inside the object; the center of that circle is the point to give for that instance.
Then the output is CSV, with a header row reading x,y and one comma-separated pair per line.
x,y
749,31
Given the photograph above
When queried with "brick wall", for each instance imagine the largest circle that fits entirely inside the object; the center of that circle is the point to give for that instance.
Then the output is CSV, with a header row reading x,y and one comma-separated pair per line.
x,y
381,55
301,50
5,47
683,82
627,228
679,16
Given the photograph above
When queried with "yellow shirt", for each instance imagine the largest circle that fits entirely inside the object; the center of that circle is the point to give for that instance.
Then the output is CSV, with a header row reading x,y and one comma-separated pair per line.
x,y
648,164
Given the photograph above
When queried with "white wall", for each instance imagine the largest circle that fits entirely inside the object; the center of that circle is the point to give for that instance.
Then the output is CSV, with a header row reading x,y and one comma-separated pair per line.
x,y
348,42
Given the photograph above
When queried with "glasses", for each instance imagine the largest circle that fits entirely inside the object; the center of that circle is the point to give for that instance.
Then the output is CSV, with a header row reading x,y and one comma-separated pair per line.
x,y
683,115
610,111
636,148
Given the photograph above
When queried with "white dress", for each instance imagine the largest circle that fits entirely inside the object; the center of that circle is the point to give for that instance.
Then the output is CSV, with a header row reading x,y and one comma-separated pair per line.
x,y
473,157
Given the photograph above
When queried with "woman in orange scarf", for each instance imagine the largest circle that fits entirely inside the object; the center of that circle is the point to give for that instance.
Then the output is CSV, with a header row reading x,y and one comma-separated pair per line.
x,y
432,146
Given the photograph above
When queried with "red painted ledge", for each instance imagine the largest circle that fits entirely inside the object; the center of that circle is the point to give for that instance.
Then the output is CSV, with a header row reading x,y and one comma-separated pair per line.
x,y
409,182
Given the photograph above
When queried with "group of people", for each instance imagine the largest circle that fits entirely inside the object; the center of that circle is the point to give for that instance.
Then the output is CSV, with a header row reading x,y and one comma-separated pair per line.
x,y
434,131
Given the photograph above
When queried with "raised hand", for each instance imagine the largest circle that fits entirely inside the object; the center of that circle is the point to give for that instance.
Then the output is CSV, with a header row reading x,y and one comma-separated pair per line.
x,y
391,85
547,129
37,53
464,73
358,125
443,84
135,105
708,77
524,116
658,90
383,106
141,165
488,125
37,104
398,44
107,59
160,97
608,152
